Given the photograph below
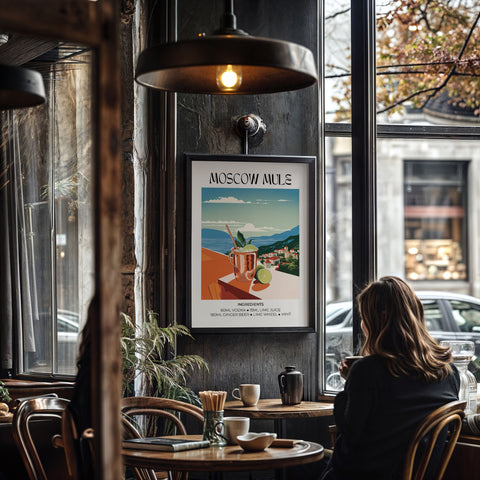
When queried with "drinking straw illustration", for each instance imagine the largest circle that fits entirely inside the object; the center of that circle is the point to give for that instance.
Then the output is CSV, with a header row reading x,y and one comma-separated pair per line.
x,y
231,236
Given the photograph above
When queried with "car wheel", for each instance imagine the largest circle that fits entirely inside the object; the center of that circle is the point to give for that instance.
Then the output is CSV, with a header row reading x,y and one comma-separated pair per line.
x,y
335,382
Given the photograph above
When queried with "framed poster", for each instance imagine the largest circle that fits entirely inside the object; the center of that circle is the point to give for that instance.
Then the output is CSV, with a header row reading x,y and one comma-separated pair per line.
x,y
251,243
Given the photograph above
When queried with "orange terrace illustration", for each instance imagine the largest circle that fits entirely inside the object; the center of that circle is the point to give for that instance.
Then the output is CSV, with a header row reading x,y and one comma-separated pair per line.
x,y
240,275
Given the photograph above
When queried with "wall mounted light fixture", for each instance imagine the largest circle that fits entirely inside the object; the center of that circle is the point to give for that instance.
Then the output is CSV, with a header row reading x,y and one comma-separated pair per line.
x,y
20,88
251,129
228,62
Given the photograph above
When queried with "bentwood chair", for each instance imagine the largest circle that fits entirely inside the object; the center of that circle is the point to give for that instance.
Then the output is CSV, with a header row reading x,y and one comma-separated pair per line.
x,y
44,408
420,457
153,409
78,447
428,437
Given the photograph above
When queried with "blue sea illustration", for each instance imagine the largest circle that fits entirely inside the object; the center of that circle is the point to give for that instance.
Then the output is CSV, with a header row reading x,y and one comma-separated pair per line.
x,y
265,215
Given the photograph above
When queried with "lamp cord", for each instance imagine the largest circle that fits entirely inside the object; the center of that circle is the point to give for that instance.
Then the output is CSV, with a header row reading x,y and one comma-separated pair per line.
x,y
229,18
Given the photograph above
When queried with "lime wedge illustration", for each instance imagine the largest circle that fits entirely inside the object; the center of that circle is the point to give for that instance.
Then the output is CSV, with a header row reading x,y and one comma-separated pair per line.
x,y
264,276
259,267
249,248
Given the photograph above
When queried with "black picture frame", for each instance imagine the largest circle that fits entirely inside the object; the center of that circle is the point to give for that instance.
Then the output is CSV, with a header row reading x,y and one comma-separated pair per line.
x,y
272,198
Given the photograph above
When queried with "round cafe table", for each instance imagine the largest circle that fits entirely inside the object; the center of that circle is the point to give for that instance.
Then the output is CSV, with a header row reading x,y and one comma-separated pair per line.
x,y
274,409
222,459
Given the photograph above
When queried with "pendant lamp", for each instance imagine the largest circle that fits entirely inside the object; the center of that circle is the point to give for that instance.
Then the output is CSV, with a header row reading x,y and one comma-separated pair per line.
x,y
20,88
229,62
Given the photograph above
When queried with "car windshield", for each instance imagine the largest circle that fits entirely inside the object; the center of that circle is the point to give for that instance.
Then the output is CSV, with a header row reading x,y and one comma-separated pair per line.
x,y
448,316
336,313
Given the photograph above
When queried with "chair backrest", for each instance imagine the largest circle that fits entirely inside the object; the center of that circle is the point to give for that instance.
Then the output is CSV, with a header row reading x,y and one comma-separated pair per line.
x,y
28,410
158,407
429,431
78,446
155,407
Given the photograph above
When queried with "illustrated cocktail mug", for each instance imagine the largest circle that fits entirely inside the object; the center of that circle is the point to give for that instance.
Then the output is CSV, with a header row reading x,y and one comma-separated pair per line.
x,y
235,426
244,264
248,393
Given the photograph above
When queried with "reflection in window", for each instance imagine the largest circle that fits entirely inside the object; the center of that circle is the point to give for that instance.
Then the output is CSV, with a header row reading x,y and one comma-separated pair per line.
x,y
435,206
433,315
466,316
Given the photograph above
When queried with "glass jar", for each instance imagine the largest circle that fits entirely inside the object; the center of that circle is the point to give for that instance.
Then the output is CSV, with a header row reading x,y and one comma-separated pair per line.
x,y
462,353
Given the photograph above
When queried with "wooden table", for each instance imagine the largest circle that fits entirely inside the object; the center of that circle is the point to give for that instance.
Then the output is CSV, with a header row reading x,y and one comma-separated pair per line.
x,y
465,461
222,459
273,409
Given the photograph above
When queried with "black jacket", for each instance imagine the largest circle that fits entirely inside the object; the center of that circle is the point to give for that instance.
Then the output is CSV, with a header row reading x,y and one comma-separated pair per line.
x,y
377,415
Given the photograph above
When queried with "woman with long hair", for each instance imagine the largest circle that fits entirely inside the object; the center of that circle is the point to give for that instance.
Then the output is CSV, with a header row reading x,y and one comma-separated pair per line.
x,y
403,376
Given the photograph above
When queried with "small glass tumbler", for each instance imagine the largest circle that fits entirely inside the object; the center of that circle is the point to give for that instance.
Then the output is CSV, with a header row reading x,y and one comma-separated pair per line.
x,y
213,428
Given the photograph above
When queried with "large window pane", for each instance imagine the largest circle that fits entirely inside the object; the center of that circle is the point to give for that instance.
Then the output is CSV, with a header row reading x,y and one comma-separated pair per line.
x,y
428,212
337,61
338,228
435,220
427,167
427,62
53,150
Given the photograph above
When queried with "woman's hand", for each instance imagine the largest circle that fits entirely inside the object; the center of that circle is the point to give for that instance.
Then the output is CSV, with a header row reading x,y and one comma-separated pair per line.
x,y
344,369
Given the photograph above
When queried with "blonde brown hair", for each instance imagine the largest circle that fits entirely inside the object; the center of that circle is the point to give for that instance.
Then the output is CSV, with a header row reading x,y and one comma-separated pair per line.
x,y
394,321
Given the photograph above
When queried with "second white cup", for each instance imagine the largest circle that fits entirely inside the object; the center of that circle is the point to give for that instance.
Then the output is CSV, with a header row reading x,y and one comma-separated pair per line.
x,y
248,393
235,426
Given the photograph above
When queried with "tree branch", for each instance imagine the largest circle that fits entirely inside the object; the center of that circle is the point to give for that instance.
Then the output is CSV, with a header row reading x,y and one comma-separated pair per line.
x,y
336,14
427,64
406,99
460,55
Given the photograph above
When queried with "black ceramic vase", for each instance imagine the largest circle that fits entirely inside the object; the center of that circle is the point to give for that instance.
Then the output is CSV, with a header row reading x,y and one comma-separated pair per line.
x,y
291,386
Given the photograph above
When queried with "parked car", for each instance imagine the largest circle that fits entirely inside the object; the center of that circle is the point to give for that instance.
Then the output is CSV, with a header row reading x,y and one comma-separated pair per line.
x,y
68,336
448,316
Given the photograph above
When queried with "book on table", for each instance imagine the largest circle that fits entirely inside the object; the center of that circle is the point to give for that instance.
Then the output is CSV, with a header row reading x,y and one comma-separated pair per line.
x,y
166,444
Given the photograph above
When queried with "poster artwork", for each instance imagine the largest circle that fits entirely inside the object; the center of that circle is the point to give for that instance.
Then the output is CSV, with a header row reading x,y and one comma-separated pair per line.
x,y
255,255
249,244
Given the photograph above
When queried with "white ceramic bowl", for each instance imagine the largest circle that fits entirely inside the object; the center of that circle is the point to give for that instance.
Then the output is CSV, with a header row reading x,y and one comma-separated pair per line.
x,y
256,441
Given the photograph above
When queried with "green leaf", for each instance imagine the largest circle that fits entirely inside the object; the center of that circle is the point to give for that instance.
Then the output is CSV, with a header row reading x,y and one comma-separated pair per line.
x,y
241,238
149,351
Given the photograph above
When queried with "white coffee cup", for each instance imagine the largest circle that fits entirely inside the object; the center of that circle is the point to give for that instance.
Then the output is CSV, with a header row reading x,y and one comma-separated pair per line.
x,y
248,393
235,426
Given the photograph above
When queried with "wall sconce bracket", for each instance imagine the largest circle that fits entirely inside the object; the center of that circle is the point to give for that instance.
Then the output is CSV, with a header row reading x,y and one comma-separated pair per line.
x,y
251,129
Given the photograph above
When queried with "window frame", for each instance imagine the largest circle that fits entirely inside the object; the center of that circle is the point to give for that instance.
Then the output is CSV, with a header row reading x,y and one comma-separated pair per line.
x,y
52,351
364,133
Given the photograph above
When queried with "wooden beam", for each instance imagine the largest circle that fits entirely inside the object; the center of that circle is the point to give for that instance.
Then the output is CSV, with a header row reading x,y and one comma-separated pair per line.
x,y
94,24
21,49
106,352
72,20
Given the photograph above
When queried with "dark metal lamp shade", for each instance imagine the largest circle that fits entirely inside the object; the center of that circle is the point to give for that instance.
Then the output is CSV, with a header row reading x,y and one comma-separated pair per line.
x,y
20,88
263,65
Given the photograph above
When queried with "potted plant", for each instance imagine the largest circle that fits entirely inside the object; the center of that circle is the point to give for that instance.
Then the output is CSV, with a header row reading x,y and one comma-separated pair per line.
x,y
4,401
150,350
4,395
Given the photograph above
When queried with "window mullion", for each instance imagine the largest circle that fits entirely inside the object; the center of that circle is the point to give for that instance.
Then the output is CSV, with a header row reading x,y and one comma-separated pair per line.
x,y
363,150
51,199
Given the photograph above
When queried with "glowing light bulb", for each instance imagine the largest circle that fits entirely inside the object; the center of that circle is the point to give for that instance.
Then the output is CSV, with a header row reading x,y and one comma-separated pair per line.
x,y
229,78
